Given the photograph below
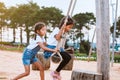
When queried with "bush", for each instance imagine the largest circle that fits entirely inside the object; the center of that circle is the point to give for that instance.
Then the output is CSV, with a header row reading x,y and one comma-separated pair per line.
x,y
117,58
11,47
6,43
84,47
83,56
80,55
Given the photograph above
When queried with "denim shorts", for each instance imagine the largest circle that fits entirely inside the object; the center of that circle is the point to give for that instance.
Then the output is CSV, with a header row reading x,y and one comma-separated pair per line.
x,y
29,57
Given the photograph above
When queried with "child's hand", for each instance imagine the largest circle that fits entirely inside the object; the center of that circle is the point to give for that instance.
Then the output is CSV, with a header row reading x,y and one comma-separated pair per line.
x,y
56,50
45,43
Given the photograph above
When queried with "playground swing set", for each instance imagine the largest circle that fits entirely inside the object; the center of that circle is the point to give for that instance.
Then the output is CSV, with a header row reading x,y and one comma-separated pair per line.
x,y
100,74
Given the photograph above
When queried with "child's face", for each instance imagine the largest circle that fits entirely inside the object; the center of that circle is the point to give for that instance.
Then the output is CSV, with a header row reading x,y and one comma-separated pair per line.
x,y
42,31
68,27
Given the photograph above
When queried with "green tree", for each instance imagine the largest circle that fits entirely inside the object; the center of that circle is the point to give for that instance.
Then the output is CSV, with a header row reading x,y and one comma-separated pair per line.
x,y
26,16
50,15
12,19
85,46
83,20
2,17
117,28
118,24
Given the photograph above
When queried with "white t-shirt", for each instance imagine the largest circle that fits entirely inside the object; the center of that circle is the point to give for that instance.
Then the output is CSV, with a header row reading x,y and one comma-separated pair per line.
x,y
33,43
51,39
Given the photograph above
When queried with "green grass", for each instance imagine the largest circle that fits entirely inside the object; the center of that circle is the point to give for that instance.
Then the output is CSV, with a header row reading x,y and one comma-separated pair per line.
x,y
12,48
84,57
93,57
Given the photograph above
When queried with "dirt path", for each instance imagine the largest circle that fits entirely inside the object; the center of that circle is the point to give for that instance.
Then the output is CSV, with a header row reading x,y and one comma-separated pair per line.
x,y
11,65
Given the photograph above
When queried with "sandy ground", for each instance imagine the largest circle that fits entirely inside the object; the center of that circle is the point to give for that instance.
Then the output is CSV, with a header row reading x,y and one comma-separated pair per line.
x,y
11,65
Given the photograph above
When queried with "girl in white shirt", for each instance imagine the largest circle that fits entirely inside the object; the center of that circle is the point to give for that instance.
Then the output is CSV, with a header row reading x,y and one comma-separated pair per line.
x,y
56,37
32,49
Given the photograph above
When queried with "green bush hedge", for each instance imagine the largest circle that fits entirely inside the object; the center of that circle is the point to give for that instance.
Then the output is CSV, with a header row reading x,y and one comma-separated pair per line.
x,y
6,43
83,56
11,47
116,58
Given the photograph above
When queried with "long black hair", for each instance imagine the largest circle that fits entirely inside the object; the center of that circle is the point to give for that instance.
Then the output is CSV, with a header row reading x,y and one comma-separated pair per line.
x,y
69,21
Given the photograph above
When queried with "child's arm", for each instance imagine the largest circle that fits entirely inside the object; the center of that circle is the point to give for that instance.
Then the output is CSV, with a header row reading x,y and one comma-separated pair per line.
x,y
58,36
45,43
45,48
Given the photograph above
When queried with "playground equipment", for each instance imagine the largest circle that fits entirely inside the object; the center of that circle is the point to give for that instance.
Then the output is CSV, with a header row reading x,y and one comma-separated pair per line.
x,y
102,29
103,58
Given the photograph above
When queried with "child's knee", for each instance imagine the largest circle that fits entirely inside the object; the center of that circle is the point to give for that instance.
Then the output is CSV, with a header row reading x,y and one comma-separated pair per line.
x,y
27,73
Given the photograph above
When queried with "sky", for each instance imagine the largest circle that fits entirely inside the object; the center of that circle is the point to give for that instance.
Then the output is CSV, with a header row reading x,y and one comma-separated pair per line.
x,y
82,6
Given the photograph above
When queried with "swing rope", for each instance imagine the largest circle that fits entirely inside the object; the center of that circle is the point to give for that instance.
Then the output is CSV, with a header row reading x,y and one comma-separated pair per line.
x,y
62,43
90,51
73,7
70,9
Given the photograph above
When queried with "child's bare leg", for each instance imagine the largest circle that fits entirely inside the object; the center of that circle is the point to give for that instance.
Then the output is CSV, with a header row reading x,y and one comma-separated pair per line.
x,y
41,69
26,73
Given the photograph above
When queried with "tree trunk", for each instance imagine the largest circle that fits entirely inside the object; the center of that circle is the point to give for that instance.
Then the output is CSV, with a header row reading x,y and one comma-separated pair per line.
x,y
14,35
21,40
27,34
85,75
103,27
80,41
0,33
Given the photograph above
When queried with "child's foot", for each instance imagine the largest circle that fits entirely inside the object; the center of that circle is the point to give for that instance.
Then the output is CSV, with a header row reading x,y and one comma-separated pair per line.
x,y
56,76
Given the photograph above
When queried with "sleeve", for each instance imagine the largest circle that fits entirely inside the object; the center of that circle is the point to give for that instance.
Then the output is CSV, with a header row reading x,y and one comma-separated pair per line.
x,y
44,39
38,39
55,31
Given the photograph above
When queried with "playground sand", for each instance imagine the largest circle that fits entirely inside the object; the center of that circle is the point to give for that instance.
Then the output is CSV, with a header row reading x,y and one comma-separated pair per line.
x,y
11,65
